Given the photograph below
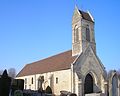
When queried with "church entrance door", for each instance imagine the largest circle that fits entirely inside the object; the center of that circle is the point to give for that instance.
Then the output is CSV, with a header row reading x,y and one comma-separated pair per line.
x,y
88,84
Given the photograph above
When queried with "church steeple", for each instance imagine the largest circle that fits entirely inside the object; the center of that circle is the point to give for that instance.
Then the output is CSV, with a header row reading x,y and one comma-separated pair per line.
x,y
82,31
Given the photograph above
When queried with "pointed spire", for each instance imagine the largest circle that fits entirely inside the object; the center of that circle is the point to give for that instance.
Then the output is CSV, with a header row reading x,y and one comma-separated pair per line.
x,y
77,9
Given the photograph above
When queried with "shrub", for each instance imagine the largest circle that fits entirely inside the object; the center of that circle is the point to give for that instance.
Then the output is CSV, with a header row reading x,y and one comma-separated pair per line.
x,y
73,94
48,90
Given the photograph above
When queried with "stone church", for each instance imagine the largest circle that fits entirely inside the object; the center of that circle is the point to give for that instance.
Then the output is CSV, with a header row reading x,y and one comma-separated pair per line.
x,y
79,70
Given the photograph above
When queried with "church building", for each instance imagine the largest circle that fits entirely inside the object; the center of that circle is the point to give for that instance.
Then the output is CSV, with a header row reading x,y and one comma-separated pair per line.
x,y
78,70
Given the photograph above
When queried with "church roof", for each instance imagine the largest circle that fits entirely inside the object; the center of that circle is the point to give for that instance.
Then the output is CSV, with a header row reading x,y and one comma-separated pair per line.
x,y
57,62
86,16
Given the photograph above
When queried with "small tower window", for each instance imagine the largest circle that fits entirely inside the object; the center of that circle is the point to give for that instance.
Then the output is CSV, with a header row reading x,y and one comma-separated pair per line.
x,y
76,34
57,80
87,33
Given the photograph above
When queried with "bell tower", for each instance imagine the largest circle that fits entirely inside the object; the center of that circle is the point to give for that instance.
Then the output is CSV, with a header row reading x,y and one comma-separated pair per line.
x,y
82,32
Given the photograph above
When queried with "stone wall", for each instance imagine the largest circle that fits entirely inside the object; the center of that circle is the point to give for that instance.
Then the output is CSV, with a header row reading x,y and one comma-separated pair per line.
x,y
63,82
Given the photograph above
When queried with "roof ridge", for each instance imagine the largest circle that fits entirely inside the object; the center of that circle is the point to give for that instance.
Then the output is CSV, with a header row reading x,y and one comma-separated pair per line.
x,y
49,57
60,61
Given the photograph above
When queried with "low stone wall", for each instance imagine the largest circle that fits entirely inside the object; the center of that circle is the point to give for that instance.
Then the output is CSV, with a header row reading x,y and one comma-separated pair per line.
x,y
95,94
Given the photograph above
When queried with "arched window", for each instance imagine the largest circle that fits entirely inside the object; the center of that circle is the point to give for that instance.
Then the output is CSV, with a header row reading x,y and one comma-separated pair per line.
x,y
56,80
88,84
32,80
76,34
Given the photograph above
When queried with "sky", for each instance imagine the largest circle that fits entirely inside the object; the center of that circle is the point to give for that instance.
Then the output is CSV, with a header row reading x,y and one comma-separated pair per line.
x,y
31,30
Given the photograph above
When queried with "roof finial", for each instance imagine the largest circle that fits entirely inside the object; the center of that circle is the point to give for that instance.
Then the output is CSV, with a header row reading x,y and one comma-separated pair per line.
x,y
78,3
76,6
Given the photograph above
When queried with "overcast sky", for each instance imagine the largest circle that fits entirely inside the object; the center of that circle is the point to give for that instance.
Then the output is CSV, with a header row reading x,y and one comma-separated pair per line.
x,y
31,30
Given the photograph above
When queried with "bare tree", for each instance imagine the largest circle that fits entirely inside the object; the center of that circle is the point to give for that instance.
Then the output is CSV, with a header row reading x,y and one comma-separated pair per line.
x,y
1,72
118,71
12,72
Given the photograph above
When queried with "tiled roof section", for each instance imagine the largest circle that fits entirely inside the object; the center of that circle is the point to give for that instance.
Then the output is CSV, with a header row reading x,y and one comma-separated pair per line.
x,y
57,62
86,16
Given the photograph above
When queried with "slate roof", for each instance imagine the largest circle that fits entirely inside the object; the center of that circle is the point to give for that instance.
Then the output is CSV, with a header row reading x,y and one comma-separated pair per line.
x,y
57,62
85,16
